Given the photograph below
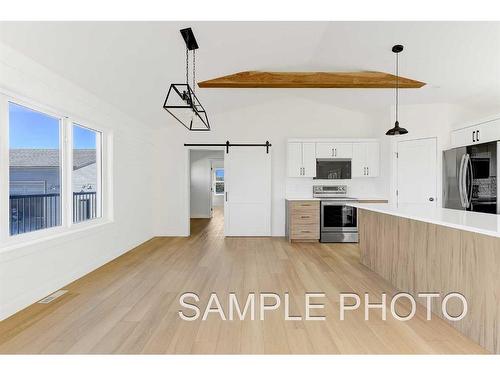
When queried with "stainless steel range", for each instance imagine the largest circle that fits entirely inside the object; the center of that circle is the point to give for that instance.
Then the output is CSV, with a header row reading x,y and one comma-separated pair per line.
x,y
339,222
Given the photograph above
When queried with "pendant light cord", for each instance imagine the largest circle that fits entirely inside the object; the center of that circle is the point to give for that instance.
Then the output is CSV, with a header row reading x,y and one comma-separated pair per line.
x,y
187,66
397,84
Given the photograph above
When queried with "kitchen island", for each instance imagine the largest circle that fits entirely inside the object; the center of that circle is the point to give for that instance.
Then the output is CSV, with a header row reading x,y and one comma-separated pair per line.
x,y
421,250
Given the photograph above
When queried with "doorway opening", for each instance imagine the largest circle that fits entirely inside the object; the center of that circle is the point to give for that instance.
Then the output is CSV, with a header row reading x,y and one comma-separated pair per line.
x,y
206,189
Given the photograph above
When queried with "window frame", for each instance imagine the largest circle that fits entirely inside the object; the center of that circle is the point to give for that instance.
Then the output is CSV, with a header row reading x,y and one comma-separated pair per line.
x,y
99,159
66,154
215,181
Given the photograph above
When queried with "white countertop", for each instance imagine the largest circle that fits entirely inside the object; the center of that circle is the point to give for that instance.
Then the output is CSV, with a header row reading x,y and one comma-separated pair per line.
x,y
477,222
318,199
302,199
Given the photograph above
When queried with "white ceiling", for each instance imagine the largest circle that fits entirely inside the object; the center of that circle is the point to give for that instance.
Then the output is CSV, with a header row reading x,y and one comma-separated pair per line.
x,y
131,64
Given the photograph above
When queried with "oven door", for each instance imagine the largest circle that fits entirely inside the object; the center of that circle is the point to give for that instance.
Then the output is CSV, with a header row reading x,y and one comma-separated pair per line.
x,y
337,217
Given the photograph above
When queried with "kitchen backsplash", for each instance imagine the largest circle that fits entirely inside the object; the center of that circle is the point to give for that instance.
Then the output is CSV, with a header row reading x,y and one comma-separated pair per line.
x,y
359,188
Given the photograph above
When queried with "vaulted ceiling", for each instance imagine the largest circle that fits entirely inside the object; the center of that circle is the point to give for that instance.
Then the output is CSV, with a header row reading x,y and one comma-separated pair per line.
x,y
131,64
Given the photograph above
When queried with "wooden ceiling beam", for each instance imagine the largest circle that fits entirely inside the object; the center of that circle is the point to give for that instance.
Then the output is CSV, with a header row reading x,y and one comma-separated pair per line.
x,y
332,80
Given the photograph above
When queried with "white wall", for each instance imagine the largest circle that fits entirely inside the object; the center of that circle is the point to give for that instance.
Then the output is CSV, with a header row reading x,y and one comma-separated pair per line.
x,y
276,121
31,271
200,169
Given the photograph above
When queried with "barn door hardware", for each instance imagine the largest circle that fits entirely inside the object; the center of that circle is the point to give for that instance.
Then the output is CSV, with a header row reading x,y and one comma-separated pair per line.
x,y
228,144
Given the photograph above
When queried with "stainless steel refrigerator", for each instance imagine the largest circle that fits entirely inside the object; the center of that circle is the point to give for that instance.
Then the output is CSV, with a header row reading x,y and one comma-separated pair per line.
x,y
470,178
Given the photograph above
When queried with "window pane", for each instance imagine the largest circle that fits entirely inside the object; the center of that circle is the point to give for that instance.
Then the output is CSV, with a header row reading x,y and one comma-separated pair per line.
x,y
34,170
86,174
219,174
219,187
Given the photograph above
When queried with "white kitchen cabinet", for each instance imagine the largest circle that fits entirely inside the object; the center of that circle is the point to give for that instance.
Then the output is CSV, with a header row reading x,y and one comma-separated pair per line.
x,y
301,159
459,137
309,159
334,150
365,159
373,159
358,162
481,133
294,159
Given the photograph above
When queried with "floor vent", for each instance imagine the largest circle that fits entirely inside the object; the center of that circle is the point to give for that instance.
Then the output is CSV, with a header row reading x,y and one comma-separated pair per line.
x,y
53,296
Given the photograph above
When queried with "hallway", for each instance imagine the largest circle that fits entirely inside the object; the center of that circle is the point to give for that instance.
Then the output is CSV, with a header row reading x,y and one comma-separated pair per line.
x,y
131,304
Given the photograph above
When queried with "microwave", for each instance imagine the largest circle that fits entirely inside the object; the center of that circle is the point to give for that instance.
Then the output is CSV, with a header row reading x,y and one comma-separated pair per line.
x,y
333,169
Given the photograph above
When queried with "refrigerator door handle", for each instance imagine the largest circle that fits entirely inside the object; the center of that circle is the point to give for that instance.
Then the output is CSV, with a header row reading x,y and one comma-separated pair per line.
x,y
470,175
461,181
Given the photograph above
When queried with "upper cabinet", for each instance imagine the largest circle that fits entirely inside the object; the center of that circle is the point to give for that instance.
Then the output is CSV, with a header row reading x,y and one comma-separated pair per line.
x,y
301,159
481,133
333,150
365,159
363,153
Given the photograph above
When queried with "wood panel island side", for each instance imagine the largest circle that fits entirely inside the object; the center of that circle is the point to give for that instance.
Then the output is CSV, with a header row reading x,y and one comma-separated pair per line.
x,y
442,251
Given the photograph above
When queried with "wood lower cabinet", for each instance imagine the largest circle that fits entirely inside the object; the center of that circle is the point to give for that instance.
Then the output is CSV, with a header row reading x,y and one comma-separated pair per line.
x,y
302,220
418,257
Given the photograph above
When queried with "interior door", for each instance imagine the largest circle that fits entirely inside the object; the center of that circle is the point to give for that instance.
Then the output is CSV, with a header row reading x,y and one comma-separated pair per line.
x,y
416,172
247,203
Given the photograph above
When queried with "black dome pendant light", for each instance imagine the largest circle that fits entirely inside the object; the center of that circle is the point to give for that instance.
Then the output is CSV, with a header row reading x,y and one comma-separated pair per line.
x,y
397,130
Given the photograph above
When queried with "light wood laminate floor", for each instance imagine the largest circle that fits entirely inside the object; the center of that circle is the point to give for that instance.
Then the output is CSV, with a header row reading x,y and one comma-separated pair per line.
x,y
130,305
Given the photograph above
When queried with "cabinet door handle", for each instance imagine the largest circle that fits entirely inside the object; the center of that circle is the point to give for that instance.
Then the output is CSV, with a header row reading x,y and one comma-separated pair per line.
x,y
473,136
367,171
333,152
305,217
477,135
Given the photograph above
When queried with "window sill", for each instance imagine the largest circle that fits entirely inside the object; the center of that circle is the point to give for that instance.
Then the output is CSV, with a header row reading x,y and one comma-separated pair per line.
x,y
19,247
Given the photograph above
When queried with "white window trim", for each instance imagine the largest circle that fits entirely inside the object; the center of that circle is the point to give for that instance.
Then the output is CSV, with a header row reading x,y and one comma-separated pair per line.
x,y
8,242
99,160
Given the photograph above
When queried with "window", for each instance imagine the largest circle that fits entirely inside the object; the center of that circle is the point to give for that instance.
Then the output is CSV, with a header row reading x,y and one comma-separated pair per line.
x,y
219,181
55,168
34,170
86,174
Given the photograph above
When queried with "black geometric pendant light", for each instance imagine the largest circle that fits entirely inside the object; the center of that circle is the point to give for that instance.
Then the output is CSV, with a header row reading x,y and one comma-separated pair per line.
x,y
181,101
397,130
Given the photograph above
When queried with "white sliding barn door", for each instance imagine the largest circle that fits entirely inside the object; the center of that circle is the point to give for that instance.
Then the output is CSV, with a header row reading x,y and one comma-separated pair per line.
x,y
247,200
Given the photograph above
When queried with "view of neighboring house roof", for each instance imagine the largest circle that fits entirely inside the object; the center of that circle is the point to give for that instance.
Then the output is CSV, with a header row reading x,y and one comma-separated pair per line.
x,y
28,157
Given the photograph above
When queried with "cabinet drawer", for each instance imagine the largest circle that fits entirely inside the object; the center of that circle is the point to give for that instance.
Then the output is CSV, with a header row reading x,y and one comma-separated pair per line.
x,y
309,231
300,206
304,218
